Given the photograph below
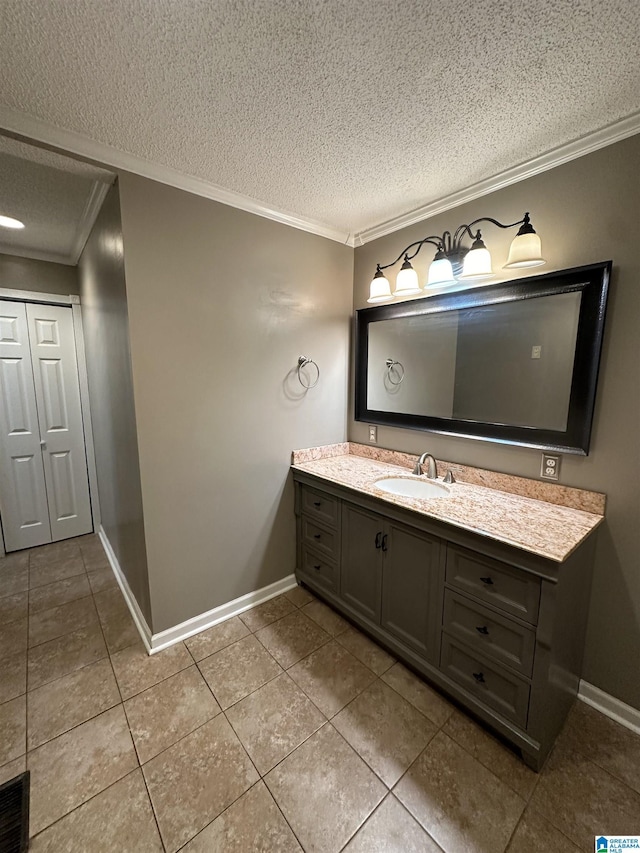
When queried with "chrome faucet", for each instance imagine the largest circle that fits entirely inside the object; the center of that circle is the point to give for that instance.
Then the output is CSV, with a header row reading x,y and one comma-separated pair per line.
x,y
432,470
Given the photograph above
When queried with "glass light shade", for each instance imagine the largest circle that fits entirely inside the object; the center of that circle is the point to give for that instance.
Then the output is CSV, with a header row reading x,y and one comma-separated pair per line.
x,y
10,222
407,281
440,272
477,264
525,251
380,289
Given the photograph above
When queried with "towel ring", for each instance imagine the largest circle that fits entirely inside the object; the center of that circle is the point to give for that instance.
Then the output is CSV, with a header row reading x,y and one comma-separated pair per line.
x,y
390,365
303,361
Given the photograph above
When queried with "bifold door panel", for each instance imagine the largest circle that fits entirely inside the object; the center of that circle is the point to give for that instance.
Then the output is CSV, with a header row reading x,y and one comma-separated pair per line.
x,y
55,372
44,489
23,496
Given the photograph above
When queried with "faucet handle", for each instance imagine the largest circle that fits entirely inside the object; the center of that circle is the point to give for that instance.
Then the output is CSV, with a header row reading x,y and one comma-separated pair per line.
x,y
448,477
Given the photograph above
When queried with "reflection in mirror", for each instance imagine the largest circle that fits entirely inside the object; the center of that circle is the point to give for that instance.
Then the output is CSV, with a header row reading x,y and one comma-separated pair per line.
x,y
515,362
510,363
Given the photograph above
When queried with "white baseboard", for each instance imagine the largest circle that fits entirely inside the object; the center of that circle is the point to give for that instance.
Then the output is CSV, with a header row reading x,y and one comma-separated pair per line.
x,y
610,706
219,614
157,642
141,623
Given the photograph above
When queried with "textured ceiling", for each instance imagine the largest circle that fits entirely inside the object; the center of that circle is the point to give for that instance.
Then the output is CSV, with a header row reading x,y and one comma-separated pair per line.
x,y
52,195
347,113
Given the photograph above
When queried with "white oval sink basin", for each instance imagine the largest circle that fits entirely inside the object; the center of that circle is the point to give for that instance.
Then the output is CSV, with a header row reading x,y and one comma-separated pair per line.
x,y
412,488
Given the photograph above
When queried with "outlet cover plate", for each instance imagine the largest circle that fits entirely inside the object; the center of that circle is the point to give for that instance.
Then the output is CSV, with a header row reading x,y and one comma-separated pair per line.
x,y
550,468
373,434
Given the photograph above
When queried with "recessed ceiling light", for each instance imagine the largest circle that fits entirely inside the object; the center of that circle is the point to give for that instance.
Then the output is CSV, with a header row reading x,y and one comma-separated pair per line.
x,y
10,222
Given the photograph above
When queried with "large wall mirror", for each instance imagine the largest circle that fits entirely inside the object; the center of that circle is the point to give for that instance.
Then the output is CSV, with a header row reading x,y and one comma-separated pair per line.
x,y
515,362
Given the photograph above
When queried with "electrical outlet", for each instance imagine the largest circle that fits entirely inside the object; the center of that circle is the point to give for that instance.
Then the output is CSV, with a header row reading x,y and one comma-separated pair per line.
x,y
373,434
550,468
536,352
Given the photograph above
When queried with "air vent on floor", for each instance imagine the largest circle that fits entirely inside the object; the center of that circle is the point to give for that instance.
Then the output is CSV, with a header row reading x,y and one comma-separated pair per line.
x,y
14,814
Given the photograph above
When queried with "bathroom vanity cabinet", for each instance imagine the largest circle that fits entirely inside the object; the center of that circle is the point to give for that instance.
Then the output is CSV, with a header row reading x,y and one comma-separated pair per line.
x,y
498,629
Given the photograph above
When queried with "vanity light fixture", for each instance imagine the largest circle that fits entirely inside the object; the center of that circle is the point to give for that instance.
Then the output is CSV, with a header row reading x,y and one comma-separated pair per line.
x,y
454,262
10,222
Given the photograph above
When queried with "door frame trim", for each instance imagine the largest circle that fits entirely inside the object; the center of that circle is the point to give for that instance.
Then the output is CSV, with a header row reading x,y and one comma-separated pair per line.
x,y
72,301
35,296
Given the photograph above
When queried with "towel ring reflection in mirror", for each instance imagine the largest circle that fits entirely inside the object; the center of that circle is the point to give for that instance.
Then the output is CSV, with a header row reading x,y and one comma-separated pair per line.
x,y
394,367
303,362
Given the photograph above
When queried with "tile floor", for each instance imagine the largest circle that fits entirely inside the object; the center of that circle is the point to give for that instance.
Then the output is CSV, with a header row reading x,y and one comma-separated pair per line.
x,y
283,729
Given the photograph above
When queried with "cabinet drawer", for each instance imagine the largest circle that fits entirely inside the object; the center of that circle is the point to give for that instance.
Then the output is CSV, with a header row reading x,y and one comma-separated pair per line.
x,y
320,538
319,506
512,590
498,637
319,570
503,691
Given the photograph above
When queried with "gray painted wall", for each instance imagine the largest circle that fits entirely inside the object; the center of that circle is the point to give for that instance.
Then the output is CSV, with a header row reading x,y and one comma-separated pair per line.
x,y
221,304
498,381
585,211
106,334
427,351
39,276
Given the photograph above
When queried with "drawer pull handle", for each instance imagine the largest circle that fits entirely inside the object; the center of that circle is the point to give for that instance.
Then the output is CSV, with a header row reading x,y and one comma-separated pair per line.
x,y
482,630
479,677
488,581
318,567
317,503
317,535
378,539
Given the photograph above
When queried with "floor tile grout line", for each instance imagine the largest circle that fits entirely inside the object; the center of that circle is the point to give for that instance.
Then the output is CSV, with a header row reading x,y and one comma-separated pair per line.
x,y
58,677
438,725
304,740
284,817
242,746
441,727
73,728
310,698
515,828
545,818
224,710
181,738
146,787
80,805
66,633
156,683
557,748
62,604
482,764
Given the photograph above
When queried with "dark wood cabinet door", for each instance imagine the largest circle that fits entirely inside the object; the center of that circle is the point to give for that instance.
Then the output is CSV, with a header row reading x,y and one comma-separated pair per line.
x,y
412,584
360,576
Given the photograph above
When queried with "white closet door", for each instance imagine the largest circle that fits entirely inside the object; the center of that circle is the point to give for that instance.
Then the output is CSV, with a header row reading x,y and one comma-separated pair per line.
x,y
23,496
55,373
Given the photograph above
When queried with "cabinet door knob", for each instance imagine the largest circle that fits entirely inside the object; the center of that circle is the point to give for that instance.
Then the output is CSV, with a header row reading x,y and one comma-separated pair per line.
x,y
317,503
317,568
384,542
488,581
479,677
378,538
482,629
317,535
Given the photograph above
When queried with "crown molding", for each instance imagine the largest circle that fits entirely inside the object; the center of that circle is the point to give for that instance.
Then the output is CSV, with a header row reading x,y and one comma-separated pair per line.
x,y
615,132
36,255
68,141
90,213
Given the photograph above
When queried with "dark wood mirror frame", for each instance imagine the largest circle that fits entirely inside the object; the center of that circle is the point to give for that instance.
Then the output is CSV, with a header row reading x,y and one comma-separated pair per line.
x,y
592,281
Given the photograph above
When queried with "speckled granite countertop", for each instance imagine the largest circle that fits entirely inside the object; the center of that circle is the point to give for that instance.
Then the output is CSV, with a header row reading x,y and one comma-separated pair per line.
x,y
542,528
